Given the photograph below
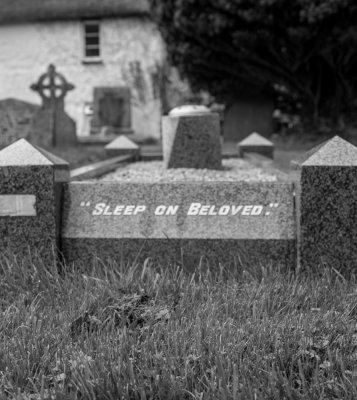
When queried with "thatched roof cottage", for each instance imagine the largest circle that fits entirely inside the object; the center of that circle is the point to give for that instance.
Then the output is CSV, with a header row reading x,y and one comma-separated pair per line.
x,y
93,43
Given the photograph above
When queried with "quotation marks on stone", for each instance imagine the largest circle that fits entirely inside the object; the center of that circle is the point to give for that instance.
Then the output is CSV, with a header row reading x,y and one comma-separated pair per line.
x,y
272,206
85,204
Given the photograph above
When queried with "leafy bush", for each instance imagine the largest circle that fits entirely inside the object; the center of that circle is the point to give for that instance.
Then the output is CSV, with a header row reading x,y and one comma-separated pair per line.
x,y
308,48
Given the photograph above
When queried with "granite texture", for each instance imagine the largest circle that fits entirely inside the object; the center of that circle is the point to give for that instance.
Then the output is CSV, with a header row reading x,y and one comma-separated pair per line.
x,y
20,234
327,207
192,141
188,253
269,234
25,169
61,167
255,143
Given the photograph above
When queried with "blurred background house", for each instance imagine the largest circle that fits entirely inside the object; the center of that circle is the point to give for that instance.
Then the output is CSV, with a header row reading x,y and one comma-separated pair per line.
x,y
94,44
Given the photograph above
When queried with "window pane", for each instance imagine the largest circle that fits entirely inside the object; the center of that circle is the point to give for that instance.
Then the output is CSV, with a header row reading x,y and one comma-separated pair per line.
x,y
92,52
92,28
92,40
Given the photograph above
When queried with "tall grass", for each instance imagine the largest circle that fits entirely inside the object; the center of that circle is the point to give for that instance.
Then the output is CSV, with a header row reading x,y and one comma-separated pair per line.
x,y
109,331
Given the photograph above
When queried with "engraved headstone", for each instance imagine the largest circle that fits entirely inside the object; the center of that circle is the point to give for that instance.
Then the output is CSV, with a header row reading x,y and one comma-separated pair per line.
x,y
51,126
191,138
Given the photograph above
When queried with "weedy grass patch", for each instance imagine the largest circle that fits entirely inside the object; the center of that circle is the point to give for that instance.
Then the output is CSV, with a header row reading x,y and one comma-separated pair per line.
x,y
116,331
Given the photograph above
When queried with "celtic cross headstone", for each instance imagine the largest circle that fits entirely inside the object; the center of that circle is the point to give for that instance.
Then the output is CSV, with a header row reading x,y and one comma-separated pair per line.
x,y
52,127
52,87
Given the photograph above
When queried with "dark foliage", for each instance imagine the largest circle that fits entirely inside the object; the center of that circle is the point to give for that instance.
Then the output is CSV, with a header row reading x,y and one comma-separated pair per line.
x,y
306,49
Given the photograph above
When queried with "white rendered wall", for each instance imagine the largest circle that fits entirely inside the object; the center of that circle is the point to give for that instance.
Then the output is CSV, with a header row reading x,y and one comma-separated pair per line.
x,y
27,49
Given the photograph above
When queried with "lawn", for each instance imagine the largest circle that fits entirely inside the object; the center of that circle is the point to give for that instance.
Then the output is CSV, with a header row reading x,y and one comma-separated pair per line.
x,y
108,331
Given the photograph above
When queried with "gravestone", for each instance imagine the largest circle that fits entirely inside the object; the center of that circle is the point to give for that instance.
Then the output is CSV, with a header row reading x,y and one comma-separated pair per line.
x,y
111,111
15,120
51,126
222,222
30,198
255,143
121,146
191,138
327,206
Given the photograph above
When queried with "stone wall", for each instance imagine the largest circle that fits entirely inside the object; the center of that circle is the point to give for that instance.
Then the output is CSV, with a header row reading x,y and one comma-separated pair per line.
x,y
131,49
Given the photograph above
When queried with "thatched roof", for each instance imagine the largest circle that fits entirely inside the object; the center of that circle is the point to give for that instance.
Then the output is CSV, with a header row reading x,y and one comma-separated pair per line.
x,y
47,10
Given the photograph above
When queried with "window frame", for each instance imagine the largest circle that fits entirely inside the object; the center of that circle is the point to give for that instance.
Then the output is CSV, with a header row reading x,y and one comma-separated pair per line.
x,y
88,59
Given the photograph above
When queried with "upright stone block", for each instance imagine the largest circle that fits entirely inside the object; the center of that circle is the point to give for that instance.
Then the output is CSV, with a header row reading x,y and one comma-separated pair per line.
x,y
191,139
327,206
30,197
255,143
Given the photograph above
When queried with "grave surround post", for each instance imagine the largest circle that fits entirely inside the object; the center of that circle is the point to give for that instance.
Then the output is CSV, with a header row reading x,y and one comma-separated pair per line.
x,y
326,199
31,182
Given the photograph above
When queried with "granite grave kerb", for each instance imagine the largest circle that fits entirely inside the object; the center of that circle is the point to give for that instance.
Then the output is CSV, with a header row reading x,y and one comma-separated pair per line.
x,y
219,221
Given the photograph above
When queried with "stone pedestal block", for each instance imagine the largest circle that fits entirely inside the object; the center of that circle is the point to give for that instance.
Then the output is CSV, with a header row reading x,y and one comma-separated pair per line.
x,y
192,141
326,197
30,199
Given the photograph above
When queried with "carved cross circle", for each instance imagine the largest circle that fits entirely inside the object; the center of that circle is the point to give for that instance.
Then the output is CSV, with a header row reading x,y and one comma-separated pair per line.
x,y
52,85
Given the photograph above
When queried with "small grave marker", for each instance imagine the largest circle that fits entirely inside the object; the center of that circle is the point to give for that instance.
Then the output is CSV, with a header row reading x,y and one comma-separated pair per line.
x,y
255,143
191,138
121,146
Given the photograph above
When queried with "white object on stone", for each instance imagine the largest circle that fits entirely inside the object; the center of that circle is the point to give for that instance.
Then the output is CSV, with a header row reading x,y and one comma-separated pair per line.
x,y
189,110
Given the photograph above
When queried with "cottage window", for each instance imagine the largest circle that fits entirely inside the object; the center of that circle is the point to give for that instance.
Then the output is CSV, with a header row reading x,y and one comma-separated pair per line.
x,y
91,40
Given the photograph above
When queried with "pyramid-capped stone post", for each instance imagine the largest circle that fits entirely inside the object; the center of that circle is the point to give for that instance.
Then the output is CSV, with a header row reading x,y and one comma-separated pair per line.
x,y
122,145
327,206
30,193
255,143
191,138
